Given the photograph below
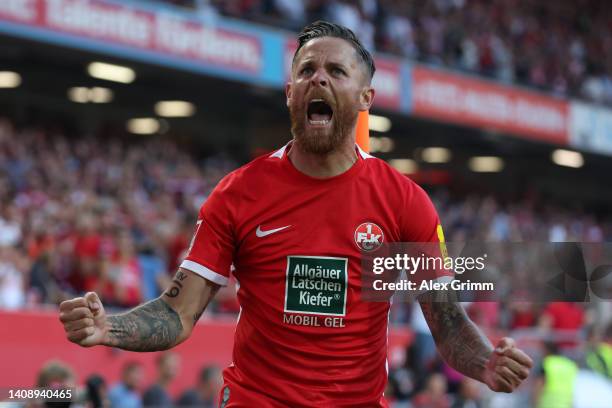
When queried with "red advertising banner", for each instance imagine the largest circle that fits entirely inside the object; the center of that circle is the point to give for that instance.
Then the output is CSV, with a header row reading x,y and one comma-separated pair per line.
x,y
31,338
161,32
463,100
387,83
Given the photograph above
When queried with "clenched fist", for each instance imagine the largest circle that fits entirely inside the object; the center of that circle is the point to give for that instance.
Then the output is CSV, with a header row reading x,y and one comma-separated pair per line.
x,y
508,366
84,320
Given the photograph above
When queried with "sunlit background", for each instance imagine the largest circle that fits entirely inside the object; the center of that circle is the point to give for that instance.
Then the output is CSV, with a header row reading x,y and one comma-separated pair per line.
x,y
117,118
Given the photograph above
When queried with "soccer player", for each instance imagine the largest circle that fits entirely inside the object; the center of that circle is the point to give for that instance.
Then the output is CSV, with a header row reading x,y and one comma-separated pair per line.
x,y
293,224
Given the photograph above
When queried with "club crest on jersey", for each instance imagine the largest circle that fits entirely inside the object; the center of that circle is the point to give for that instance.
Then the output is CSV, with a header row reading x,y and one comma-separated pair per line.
x,y
369,236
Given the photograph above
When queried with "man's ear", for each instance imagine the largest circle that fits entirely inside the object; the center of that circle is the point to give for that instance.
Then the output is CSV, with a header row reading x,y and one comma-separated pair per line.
x,y
366,98
288,92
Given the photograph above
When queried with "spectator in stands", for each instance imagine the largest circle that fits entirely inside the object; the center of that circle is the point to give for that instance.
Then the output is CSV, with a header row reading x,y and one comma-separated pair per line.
x,y
123,275
498,39
44,287
155,277
485,314
56,374
292,12
205,394
153,217
72,232
13,276
96,393
157,395
406,380
425,347
125,394
469,395
86,248
80,231
564,318
10,226
178,242
522,315
598,354
434,395
556,380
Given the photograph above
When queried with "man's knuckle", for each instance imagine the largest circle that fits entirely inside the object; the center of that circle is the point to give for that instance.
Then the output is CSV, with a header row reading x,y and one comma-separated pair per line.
x,y
80,334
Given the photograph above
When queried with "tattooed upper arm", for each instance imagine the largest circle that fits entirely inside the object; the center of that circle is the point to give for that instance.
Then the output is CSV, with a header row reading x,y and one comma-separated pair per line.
x,y
177,284
189,294
459,341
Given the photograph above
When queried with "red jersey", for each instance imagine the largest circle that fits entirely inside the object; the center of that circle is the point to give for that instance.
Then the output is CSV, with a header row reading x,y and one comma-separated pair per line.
x,y
304,337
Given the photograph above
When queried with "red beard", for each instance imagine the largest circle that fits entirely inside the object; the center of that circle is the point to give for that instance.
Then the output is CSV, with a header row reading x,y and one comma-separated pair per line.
x,y
324,140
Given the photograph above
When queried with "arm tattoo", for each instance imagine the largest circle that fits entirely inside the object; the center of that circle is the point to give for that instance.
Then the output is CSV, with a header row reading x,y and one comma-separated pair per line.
x,y
459,341
153,326
197,316
177,285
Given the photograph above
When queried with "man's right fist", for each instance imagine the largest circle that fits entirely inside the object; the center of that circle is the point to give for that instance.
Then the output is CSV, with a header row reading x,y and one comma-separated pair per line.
x,y
84,320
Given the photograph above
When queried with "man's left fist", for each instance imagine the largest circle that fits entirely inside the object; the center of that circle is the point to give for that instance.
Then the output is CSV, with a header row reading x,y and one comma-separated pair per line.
x,y
508,366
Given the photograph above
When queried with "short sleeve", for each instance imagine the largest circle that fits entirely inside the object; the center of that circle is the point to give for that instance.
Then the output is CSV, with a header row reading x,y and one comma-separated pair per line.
x,y
419,220
420,224
212,246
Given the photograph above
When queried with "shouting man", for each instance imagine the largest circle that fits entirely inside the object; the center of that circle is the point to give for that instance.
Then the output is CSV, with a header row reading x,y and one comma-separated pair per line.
x,y
294,224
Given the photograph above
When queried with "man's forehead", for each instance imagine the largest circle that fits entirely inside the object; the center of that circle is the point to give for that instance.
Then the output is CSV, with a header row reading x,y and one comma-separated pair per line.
x,y
333,48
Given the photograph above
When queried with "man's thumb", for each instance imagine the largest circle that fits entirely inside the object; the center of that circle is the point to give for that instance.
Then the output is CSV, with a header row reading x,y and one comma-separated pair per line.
x,y
93,301
504,344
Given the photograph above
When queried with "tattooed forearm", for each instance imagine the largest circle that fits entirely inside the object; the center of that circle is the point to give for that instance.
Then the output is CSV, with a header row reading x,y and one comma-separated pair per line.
x,y
153,326
459,341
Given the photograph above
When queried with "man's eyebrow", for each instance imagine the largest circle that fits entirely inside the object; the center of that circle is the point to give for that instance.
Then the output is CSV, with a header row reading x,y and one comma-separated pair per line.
x,y
337,64
306,59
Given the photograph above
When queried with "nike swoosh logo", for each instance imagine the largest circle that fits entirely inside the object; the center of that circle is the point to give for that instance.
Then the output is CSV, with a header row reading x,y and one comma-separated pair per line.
x,y
261,234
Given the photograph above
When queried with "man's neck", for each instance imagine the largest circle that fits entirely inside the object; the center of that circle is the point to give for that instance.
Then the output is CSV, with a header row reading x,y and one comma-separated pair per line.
x,y
324,166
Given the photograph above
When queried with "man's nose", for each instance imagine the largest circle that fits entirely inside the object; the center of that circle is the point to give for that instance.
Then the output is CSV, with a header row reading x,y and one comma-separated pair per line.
x,y
319,78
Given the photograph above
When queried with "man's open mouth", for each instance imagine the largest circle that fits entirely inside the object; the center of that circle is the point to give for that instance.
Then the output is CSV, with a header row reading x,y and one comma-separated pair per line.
x,y
319,112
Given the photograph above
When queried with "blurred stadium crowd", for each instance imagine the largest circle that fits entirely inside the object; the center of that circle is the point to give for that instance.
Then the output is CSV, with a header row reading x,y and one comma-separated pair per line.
x,y
84,214
558,47
131,391
81,214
